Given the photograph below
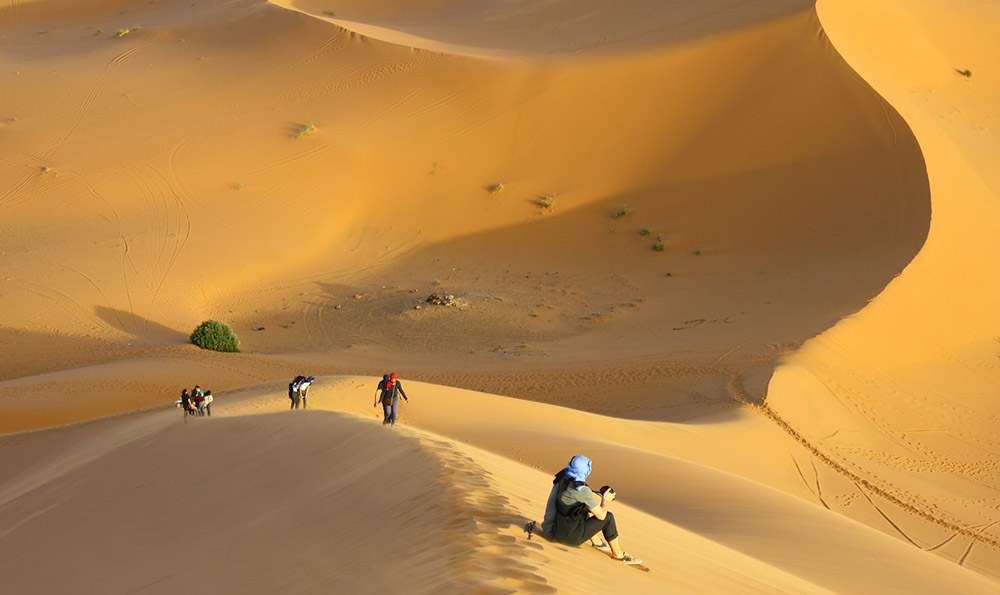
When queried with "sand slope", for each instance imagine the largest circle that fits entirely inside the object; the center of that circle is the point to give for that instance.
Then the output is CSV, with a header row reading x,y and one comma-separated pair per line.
x,y
307,500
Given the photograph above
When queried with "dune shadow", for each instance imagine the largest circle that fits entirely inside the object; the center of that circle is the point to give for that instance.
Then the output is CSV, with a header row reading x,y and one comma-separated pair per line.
x,y
141,328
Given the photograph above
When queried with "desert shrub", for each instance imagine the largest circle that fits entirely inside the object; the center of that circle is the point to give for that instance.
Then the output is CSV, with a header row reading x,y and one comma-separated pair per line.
x,y
215,335
304,130
621,212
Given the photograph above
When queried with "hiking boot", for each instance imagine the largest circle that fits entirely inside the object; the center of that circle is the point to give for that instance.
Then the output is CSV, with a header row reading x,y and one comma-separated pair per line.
x,y
628,560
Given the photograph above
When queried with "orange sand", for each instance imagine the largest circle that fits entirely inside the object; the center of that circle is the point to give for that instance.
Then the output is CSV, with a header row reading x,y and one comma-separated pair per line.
x,y
796,394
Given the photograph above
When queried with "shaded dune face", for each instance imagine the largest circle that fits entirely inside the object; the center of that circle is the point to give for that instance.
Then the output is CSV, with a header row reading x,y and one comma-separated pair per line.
x,y
785,192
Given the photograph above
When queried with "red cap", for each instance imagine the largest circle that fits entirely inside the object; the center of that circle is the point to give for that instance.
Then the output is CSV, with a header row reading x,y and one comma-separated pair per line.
x,y
392,376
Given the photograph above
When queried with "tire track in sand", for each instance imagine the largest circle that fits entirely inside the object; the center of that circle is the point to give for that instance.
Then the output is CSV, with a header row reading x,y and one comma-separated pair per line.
x,y
735,389
94,93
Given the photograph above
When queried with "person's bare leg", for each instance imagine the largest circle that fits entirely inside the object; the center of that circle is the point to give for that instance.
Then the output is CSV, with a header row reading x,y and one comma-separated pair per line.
x,y
616,548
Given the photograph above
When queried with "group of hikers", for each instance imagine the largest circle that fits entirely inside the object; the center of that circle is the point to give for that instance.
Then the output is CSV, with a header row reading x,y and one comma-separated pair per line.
x,y
574,513
197,402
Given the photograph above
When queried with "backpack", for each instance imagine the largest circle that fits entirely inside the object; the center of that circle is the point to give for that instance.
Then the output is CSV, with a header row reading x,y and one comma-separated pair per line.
x,y
389,393
570,522
293,386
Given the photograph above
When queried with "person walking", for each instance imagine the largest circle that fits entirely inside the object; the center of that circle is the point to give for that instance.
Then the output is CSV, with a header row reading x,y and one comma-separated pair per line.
x,y
379,394
303,388
293,392
391,389
199,402
186,403
208,402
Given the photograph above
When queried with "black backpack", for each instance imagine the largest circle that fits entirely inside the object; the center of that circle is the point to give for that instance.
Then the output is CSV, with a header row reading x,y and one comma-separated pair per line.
x,y
293,386
570,523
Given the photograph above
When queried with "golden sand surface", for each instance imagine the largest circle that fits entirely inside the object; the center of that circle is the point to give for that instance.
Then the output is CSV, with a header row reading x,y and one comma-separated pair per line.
x,y
739,253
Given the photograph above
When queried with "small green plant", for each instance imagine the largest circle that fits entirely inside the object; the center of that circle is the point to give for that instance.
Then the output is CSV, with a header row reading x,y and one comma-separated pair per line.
x,y
621,212
240,186
697,252
658,246
495,188
546,201
966,73
669,274
330,13
644,231
304,130
126,30
216,336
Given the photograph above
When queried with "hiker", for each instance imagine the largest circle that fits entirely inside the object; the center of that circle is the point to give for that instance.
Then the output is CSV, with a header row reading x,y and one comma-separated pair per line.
x,y
574,514
379,390
293,391
208,402
199,401
303,388
186,403
391,389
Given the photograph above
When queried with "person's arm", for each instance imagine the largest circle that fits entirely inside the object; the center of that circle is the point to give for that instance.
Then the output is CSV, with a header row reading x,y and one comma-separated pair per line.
x,y
399,385
598,508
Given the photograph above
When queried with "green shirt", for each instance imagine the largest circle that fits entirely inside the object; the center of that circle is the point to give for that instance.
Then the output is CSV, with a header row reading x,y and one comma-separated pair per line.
x,y
571,496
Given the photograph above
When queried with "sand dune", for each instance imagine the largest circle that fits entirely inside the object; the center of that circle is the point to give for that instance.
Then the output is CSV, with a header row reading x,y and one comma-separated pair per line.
x,y
799,379
298,500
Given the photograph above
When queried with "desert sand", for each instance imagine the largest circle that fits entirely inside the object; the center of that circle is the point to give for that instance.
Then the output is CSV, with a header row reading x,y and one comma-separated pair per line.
x,y
740,254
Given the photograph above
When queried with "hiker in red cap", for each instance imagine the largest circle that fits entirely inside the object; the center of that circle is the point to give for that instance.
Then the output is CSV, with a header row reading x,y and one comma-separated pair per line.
x,y
388,392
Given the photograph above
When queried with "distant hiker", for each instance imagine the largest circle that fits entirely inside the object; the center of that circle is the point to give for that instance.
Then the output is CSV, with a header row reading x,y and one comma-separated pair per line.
x,y
303,388
379,390
208,402
293,391
388,392
186,403
199,401
574,514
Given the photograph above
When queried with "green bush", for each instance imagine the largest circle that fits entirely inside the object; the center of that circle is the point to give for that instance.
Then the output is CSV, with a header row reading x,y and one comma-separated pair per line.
x,y
215,335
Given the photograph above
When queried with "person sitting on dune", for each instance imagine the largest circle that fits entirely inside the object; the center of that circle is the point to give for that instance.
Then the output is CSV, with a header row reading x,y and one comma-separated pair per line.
x,y
573,514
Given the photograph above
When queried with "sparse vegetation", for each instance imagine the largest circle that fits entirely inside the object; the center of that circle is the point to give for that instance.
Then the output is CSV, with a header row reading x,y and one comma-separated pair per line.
x,y
545,202
216,336
329,13
658,246
240,186
644,231
126,30
495,188
669,274
966,73
621,212
304,130
697,252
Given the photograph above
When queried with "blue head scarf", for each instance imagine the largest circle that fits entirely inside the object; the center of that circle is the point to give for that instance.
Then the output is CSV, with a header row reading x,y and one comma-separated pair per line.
x,y
579,468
